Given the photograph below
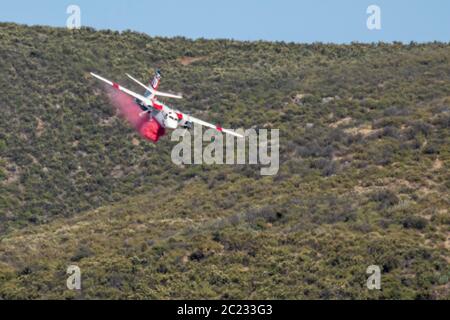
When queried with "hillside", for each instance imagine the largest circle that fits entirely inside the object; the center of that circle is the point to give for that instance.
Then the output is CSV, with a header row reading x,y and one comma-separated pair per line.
x,y
364,170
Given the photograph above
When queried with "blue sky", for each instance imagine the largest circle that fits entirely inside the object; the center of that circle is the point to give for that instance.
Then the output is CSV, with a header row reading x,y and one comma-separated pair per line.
x,y
339,21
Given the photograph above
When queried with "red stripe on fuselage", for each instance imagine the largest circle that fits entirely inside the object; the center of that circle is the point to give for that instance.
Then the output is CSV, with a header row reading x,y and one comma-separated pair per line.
x,y
157,106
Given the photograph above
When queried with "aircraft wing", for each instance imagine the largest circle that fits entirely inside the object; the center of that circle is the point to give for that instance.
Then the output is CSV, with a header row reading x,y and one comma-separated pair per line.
x,y
154,92
209,125
145,100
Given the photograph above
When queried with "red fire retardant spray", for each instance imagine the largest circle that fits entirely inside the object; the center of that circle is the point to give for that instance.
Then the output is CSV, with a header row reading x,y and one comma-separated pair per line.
x,y
147,128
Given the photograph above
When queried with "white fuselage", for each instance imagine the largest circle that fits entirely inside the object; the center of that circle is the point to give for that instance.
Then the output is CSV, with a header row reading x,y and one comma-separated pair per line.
x,y
166,119
171,120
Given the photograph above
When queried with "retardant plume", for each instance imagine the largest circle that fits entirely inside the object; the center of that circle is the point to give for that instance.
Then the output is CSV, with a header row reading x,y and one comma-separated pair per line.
x,y
130,111
127,108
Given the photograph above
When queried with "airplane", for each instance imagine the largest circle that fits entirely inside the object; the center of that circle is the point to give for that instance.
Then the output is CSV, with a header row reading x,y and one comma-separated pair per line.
x,y
160,116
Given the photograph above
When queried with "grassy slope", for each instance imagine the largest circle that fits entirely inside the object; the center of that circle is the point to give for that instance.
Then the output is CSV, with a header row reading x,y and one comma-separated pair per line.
x,y
367,184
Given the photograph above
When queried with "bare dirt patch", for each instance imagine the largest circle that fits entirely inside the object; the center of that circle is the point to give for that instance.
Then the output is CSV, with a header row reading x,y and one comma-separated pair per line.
x,y
364,130
40,127
387,183
341,122
437,164
135,142
185,61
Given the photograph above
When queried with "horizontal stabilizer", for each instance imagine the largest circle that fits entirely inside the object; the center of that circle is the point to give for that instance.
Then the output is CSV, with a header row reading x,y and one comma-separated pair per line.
x,y
153,91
